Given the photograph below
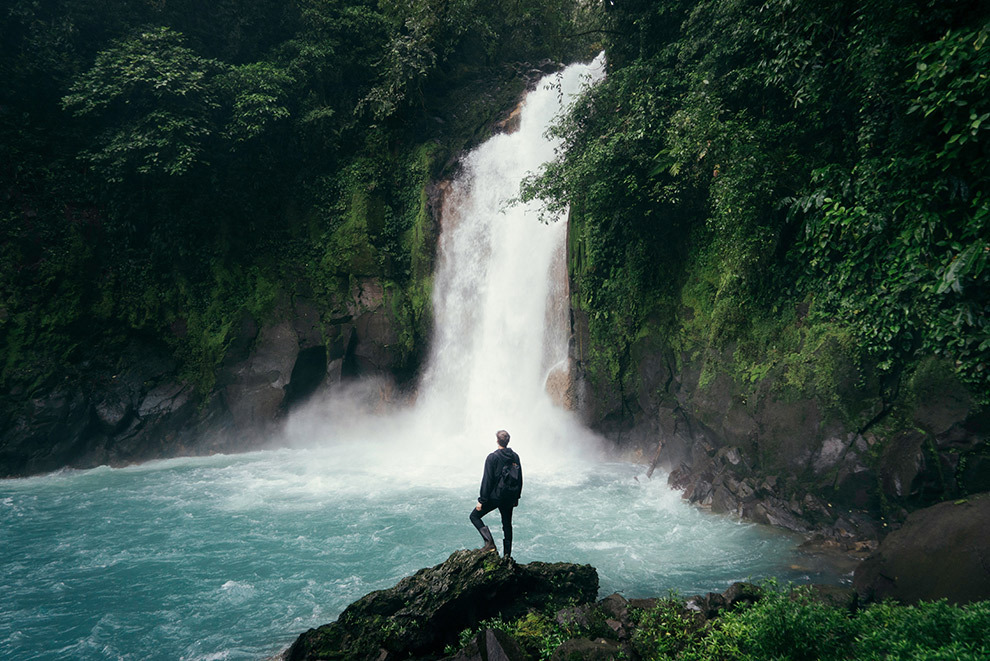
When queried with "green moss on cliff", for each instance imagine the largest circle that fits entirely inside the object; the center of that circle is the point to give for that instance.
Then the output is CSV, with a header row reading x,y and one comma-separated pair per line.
x,y
774,352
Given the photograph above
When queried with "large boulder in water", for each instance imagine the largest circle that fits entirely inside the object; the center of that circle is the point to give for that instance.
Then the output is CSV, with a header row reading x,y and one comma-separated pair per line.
x,y
940,552
426,611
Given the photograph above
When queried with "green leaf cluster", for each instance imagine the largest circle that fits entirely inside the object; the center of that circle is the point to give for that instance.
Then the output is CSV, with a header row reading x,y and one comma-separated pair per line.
x,y
796,624
539,633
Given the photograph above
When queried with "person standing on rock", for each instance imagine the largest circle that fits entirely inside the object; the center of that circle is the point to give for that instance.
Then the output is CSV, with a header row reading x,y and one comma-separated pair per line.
x,y
501,486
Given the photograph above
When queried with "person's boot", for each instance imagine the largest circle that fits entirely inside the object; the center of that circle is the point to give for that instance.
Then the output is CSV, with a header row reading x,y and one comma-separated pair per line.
x,y
486,535
507,548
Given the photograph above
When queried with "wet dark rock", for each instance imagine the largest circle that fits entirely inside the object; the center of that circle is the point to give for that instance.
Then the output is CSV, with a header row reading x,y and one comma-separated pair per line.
x,y
975,476
966,434
113,411
308,374
723,502
711,605
741,593
829,454
941,551
942,407
741,489
615,609
855,486
617,628
615,606
373,351
167,398
768,485
242,339
835,596
577,616
745,490
306,323
901,464
675,451
584,649
533,73
708,606
44,436
425,612
256,386
491,645
775,512
340,342
369,350
731,455
510,122
643,604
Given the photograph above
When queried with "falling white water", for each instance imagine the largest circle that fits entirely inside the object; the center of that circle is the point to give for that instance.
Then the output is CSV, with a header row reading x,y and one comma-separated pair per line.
x,y
500,289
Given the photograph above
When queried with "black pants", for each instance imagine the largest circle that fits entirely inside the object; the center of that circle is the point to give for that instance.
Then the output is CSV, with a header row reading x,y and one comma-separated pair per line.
x,y
504,510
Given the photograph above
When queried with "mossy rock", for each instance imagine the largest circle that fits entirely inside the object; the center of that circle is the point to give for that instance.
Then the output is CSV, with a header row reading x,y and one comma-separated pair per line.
x,y
426,611
937,398
939,553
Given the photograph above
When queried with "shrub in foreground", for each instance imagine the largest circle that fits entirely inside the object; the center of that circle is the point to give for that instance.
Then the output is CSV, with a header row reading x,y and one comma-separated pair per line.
x,y
784,624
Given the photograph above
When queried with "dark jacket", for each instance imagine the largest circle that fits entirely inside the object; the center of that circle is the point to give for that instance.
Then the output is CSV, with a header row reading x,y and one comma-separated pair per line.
x,y
493,468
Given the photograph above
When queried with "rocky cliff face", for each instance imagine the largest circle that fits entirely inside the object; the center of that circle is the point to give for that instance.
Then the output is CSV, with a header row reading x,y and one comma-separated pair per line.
x,y
893,473
148,411
354,322
847,468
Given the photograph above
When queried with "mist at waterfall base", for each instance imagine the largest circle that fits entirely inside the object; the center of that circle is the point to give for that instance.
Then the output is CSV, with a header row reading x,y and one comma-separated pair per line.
x,y
231,557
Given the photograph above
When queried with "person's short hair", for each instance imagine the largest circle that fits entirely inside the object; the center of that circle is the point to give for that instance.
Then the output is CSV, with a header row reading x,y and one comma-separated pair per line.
x,y
502,437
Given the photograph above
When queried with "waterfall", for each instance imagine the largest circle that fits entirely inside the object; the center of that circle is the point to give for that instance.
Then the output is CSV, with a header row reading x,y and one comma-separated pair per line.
x,y
501,326
500,292
232,556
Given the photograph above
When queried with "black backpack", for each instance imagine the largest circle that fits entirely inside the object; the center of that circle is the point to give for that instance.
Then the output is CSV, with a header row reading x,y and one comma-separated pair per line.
x,y
509,484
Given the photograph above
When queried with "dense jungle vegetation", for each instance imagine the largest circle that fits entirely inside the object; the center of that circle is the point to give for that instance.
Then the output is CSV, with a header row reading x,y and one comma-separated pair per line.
x,y
777,179
784,184
166,165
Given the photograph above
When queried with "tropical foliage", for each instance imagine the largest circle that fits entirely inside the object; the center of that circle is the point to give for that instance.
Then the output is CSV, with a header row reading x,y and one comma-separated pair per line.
x,y
746,159
793,624
785,623
165,166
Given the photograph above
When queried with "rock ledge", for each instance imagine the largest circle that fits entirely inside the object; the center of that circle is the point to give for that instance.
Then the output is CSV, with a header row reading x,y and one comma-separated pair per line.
x,y
424,612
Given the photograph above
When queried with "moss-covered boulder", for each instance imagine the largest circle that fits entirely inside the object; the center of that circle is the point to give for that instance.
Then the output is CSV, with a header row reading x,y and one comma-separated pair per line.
x,y
424,612
940,552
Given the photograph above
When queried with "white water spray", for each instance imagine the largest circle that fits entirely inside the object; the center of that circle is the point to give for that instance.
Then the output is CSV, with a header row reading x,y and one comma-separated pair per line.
x,y
500,295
